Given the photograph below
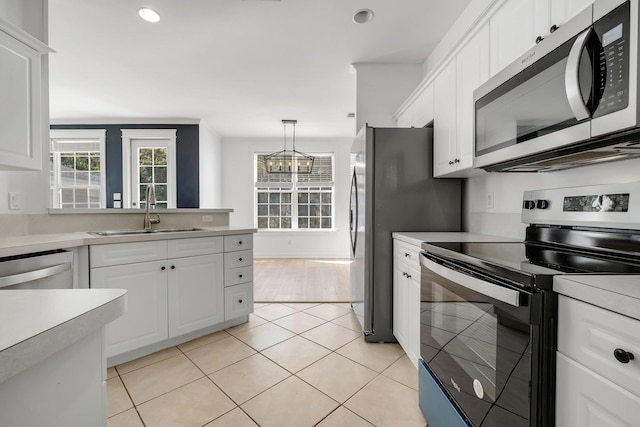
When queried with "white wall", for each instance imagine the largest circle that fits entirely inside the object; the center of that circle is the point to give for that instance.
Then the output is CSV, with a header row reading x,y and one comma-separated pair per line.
x,y
210,164
380,89
238,193
32,186
507,188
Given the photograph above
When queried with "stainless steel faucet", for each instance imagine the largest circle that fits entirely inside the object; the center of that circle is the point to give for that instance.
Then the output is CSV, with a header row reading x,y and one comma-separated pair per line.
x,y
150,199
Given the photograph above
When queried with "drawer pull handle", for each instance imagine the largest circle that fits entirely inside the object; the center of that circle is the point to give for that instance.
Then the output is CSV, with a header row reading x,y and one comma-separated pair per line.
x,y
623,356
408,276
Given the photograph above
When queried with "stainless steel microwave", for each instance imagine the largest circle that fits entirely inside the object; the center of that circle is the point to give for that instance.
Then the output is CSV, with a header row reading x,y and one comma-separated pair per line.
x,y
570,100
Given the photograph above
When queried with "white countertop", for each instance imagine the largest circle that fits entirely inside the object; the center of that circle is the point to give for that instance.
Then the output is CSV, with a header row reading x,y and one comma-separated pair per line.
x,y
618,293
18,245
35,324
418,237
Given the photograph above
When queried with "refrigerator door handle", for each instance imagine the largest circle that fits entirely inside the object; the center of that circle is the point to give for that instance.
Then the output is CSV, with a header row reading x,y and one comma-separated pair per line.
x,y
353,219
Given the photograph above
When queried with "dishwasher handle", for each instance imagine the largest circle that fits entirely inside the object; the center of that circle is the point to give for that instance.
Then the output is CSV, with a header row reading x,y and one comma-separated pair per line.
x,y
16,279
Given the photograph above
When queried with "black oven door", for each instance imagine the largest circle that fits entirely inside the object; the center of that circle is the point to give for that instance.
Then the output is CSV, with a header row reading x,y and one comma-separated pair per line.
x,y
482,348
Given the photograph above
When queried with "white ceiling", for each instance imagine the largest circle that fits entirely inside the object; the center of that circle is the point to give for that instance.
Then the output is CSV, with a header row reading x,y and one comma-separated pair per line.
x,y
239,65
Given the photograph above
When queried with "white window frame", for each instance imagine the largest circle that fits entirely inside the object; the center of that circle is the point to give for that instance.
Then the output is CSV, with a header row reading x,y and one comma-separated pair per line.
x,y
81,134
293,186
156,138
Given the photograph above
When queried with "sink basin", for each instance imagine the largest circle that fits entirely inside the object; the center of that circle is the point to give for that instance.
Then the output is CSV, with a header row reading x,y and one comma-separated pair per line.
x,y
143,231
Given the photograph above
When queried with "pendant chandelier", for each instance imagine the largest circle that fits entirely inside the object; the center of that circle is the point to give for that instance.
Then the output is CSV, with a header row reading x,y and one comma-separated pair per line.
x,y
289,161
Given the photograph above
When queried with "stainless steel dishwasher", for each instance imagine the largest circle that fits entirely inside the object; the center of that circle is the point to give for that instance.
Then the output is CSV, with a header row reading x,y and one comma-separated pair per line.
x,y
41,270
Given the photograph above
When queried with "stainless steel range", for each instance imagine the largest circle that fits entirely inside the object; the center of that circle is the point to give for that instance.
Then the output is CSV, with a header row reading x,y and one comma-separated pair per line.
x,y
488,312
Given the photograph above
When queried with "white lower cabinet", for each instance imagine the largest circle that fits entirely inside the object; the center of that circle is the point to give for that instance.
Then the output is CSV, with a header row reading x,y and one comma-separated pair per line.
x,y
174,287
196,294
406,298
594,387
145,321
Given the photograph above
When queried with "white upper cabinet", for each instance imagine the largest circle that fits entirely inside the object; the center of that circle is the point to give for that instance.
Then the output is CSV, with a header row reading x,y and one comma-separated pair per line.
x,y
444,124
563,10
472,71
420,112
23,118
514,28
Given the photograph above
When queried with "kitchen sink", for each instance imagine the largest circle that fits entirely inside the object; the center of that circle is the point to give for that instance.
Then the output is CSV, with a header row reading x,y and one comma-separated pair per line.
x,y
143,231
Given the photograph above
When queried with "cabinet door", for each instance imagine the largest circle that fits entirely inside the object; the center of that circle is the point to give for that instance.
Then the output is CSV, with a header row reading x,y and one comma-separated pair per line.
x,y
21,109
563,10
472,71
420,112
514,28
196,293
444,123
400,319
145,321
584,398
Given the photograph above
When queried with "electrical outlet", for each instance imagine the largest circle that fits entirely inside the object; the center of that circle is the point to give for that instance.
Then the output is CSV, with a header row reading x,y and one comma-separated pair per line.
x,y
14,201
117,196
490,200
207,218
117,204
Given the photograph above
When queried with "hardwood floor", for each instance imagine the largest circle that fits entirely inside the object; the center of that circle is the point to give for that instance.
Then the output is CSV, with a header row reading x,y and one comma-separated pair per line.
x,y
300,280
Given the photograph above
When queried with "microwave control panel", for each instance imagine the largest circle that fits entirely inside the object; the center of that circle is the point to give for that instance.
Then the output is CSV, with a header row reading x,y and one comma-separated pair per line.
x,y
613,62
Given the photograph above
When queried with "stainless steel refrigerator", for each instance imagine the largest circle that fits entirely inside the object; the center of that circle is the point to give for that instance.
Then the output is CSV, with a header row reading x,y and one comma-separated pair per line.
x,y
392,189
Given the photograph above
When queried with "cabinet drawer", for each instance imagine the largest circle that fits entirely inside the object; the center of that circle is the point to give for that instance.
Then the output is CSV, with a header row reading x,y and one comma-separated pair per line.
x,y
180,248
238,243
238,300
584,398
239,275
409,253
590,335
127,253
238,259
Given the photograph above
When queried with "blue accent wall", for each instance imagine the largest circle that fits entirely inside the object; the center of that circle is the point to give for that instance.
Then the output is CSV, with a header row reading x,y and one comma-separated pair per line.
x,y
187,159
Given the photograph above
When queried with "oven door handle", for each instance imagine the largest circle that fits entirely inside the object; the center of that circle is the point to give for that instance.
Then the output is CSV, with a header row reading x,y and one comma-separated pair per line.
x,y
500,293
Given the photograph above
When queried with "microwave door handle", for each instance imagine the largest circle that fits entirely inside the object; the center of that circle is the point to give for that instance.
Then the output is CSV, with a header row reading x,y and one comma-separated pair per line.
x,y
571,77
500,293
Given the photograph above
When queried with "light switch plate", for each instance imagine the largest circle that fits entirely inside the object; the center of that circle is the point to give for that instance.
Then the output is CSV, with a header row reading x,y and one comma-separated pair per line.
x,y
14,201
117,204
117,196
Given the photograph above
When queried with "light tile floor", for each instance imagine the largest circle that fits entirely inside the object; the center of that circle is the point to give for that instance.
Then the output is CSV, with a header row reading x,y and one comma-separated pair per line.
x,y
290,365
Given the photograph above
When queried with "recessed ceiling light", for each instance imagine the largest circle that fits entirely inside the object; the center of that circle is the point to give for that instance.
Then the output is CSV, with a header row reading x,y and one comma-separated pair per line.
x,y
363,16
148,15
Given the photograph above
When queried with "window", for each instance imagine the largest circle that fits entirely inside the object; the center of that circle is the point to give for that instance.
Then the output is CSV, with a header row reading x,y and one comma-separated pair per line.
x,y
149,158
77,171
297,201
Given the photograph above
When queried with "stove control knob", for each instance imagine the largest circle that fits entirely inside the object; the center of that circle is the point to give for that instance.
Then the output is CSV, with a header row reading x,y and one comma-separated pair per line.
x,y
529,204
542,204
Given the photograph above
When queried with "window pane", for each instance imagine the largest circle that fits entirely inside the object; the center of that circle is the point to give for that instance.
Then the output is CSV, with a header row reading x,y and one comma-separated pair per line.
x,y
326,222
161,205
95,178
263,210
314,210
314,198
160,174
94,196
81,195
326,210
303,222
303,198
286,222
95,162
263,222
326,197
146,156
67,178
160,156
82,162
286,197
161,192
286,210
314,222
274,198
274,210
67,162
263,197
303,210
146,174
274,222
82,178
66,195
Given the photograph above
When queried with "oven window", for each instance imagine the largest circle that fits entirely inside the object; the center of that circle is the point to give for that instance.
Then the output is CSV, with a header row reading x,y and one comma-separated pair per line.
x,y
479,349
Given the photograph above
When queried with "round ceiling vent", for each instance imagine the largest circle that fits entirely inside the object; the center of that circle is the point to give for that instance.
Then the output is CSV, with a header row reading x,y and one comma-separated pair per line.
x,y
363,16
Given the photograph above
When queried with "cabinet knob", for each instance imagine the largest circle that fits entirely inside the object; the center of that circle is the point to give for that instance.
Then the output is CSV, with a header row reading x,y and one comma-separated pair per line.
x,y
623,356
456,160
163,268
173,267
553,28
450,162
240,301
408,276
407,254
404,274
539,39
240,275
239,259
239,242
